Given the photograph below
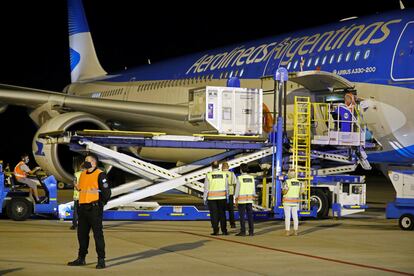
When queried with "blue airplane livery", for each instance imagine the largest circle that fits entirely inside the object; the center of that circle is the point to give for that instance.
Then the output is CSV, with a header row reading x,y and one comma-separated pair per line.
x,y
373,57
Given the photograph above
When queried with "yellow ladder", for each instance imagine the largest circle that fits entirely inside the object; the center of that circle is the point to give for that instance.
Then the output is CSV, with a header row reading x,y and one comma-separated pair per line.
x,y
301,146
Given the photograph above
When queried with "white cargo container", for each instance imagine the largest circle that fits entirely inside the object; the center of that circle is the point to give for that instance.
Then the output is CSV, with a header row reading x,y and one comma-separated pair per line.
x,y
227,110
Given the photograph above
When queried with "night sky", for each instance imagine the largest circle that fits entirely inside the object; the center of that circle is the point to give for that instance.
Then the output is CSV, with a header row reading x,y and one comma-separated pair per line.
x,y
34,41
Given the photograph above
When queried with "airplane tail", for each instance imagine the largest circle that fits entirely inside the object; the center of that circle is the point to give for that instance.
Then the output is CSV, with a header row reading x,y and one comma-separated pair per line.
x,y
84,63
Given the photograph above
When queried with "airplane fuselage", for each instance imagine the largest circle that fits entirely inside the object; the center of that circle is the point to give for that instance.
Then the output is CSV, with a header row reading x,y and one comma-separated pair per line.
x,y
376,54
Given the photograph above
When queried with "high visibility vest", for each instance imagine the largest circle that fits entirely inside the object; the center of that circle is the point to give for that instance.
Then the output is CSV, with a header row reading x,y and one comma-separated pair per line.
x,y
76,192
19,173
89,187
217,185
231,182
246,191
292,197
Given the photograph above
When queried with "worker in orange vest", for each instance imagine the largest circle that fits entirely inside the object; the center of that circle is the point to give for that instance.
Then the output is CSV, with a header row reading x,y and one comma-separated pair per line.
x,y
22,170
94,193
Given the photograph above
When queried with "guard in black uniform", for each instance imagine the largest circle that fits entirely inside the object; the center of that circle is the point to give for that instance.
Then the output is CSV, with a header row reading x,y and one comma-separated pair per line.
x,y
94,193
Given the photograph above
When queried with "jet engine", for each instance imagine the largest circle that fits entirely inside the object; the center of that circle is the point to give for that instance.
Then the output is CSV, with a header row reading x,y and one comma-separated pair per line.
x,y
59,160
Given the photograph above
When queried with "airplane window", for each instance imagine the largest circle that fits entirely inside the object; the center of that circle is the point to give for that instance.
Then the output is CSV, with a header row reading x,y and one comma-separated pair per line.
x,y
316,61
309,62
241,72
324,60
295,64
288,66
348,56
339,58
367,52
332,59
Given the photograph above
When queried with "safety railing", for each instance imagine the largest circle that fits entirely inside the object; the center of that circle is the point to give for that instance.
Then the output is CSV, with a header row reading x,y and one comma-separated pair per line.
x,y
337,124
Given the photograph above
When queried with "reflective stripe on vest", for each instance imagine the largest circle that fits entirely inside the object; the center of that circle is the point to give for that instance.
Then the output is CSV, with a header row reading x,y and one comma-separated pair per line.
x,y
216,185
19,173
89,187
231,182
292,197
246,192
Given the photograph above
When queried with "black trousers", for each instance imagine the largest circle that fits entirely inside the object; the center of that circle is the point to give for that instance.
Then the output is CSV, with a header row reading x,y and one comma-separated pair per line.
x,y
218,213
230,208
90,216
243,209
75,213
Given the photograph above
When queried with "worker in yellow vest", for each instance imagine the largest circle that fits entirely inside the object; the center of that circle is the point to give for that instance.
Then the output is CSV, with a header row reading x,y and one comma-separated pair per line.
x,y
245,194
76,197
216,197
291,198
231,180
94,193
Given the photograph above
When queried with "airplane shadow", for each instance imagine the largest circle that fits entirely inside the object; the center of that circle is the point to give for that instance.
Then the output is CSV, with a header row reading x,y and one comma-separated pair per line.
x,y
155,252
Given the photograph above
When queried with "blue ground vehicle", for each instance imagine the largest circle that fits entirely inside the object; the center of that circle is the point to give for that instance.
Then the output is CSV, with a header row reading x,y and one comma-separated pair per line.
x,y
19,205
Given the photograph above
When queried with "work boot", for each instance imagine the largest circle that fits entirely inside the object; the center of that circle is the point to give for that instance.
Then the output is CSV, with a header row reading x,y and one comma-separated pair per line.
x,y
287,233
233,226
214,234
73,227
295,232
241,234
225,233
101,264
78,262
251,234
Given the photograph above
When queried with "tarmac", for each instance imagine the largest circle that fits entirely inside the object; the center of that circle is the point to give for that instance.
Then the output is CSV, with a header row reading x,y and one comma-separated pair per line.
x,y
363,244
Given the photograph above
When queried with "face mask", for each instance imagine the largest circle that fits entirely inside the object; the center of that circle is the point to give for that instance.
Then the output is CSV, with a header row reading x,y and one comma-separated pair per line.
x,y
87,165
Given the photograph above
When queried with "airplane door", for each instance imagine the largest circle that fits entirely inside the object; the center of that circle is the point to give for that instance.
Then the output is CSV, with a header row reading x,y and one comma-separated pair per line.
x,y
402,68
128,89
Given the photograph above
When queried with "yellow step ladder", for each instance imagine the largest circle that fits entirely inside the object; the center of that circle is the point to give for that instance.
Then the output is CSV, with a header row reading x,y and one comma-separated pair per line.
x,y
301,146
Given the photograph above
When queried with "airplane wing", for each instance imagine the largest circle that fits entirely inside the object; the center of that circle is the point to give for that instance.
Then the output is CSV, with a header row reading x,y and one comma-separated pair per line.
x,y
104,108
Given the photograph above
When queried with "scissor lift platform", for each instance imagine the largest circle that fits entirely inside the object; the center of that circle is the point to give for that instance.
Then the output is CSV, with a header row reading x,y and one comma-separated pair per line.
x,y
155,179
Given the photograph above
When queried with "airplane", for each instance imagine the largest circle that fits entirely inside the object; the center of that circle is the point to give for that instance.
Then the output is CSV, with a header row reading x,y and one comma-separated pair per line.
x,y
373,55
